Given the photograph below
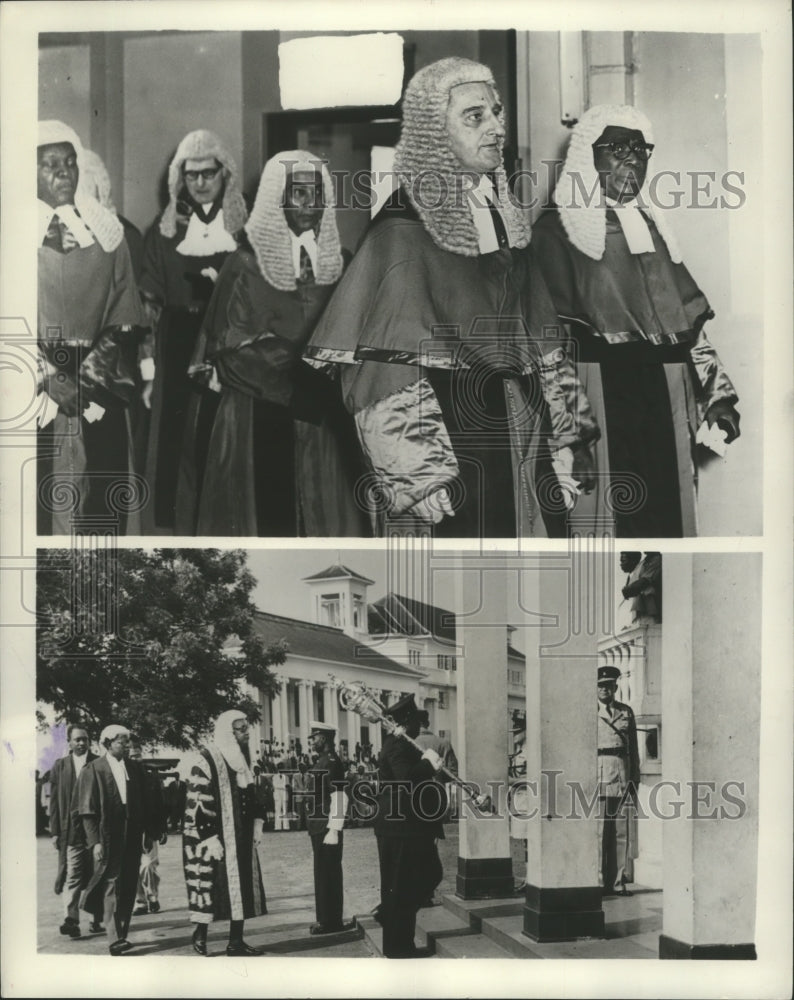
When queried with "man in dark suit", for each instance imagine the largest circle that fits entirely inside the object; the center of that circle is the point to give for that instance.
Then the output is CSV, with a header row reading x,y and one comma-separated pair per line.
x,y
325,819
411,808
120,819
66,830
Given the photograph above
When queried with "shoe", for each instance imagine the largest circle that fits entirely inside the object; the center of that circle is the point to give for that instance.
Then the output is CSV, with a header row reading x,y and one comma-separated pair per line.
x,y
199,944
324,929
70,929
96,927
140,909
429,903
238,949
154,906
622,891
120,947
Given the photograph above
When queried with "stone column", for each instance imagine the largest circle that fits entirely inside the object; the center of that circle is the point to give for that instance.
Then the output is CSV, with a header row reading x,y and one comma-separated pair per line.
x,y
711,686
375,731
563,598
352,733
284,711
305,690
484,865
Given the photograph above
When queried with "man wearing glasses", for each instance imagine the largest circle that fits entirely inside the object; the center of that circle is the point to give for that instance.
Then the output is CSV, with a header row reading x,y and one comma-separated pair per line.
x,y
635,318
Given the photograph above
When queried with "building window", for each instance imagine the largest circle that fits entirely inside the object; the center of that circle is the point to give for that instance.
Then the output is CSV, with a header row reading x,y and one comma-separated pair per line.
x,y
442,699
330,610
444,662
358,611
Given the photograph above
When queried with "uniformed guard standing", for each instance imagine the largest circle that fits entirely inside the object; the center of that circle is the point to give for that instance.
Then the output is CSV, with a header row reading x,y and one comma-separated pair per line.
x,y
325,819
411,808
618,777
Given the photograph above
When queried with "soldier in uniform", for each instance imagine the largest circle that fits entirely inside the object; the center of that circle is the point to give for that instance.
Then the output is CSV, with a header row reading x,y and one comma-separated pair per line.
x,y
411,808
325,819
618,777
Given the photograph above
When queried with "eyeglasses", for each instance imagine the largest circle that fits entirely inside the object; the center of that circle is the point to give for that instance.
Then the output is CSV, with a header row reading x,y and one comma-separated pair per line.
x,y
622,149
208,174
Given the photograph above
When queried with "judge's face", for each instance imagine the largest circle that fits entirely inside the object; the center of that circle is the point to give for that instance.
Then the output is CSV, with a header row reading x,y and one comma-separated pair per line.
x,y
57,174
476,136
606,692
621,176
203,179
240,730
303,201
119,747
78,742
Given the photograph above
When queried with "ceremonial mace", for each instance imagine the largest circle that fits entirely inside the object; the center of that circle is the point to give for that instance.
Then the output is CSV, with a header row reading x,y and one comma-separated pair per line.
x,y
355,696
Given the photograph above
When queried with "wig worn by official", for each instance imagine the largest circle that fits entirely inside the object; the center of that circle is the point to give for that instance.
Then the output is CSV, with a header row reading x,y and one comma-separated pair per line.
x,y
103,223
582,208
201,145
97,179
429,171
269,234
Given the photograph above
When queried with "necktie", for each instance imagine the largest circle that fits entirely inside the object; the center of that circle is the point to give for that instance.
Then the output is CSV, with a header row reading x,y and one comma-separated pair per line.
x,y
59,237
307,271
498,224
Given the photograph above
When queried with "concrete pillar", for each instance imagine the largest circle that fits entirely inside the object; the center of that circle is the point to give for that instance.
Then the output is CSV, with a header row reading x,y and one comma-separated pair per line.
x,y
284,711
563,898
375,731
305,694
484,865
352,733
711,656
327,697
334,707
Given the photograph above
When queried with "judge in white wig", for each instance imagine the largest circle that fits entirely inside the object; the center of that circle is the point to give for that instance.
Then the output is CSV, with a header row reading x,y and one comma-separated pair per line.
x,y
87,307
279,420
223,835
438,328
636,320
184,252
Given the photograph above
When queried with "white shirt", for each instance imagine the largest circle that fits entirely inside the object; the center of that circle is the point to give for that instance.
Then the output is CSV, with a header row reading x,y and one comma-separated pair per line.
x,y
203,239
120,774
308,241
635,228
69,217
481,213
79,763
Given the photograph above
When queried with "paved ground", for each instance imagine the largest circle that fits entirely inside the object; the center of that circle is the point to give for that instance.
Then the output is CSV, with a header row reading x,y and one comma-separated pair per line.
x,y
289,887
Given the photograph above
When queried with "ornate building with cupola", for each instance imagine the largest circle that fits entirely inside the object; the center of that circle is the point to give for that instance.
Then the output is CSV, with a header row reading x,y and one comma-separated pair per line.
x,y
395,645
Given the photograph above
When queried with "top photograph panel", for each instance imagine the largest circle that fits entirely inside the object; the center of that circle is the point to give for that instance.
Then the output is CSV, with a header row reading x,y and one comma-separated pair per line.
x,y
497,284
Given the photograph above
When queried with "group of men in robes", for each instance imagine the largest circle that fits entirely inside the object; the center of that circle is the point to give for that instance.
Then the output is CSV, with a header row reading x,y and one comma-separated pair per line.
x,y
456,374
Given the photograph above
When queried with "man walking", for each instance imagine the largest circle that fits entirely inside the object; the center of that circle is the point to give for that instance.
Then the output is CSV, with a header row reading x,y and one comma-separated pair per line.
x,y
66,830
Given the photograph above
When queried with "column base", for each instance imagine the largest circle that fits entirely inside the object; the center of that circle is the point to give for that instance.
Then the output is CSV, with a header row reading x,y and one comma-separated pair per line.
x,y
563,914
670,947
484,878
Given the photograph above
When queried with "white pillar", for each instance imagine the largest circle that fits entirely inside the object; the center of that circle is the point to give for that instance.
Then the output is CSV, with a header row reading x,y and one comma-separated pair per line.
x,y
334,706
284,711
711,690
353,731
563,898
375,731
485,868
305,689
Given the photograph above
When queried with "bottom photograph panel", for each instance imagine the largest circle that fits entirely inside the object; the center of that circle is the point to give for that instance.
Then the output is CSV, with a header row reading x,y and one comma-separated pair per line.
x,y
397,752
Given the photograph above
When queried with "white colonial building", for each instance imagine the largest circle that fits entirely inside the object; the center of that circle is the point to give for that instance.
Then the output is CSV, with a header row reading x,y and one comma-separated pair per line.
x,y
395,645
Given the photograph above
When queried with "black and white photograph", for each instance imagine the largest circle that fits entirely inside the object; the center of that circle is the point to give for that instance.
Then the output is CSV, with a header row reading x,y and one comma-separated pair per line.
x,y
287,304
396,499
513,782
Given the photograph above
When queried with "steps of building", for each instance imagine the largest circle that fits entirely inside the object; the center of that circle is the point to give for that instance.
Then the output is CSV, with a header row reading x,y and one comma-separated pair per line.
x,y
470,946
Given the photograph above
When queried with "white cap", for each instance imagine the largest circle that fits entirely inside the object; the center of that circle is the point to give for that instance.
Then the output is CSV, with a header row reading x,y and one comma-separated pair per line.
x,y
322,727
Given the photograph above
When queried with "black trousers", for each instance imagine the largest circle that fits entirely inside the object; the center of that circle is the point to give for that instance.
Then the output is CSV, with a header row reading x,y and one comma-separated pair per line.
x,y
410,870
327,880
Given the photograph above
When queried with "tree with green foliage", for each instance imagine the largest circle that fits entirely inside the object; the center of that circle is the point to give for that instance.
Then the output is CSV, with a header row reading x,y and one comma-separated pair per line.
x,y
160,640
